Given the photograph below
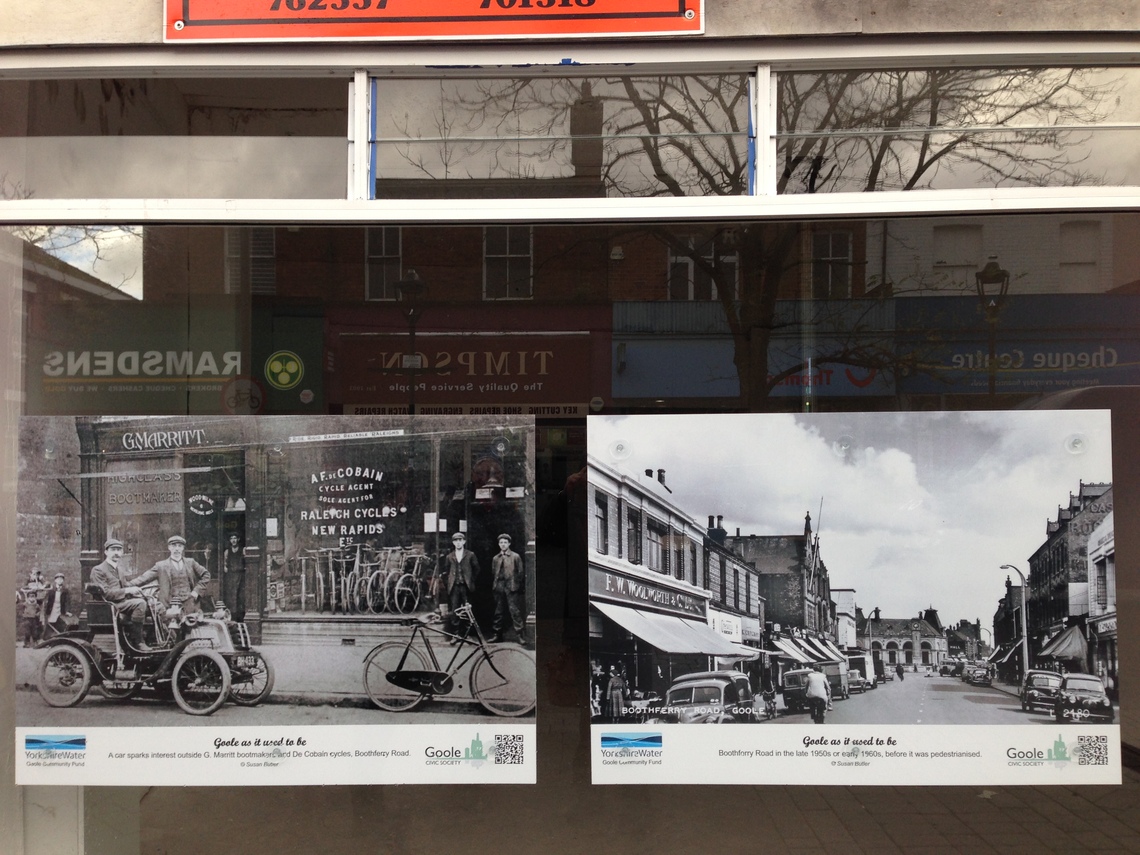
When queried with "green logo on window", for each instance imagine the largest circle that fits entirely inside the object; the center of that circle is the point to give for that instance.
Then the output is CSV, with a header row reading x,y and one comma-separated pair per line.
x,y
284,369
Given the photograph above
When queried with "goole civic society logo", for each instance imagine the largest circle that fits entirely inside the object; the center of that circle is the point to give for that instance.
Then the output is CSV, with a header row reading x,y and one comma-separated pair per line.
x,y
284,369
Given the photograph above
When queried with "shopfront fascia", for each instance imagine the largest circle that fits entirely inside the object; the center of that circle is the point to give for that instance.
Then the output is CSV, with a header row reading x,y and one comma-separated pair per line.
x,y
318,505
656,626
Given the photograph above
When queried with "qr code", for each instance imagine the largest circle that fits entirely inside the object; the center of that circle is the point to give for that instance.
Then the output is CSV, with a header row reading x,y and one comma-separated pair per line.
x,y
509,749
1092,750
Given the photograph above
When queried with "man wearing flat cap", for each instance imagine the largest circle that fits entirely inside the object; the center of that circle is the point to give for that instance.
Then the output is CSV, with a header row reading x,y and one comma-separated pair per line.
x,y
56,608
180,579
123,594
461,568
508,581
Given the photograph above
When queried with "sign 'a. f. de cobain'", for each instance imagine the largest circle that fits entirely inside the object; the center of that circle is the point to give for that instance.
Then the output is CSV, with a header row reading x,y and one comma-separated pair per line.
x,y
303,20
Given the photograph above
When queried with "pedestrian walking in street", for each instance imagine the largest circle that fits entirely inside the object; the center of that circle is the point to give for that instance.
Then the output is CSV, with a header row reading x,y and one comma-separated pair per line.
x,y
899,670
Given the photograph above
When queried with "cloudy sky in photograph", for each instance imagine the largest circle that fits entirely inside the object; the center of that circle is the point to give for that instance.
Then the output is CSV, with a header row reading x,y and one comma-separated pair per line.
x,y
918,509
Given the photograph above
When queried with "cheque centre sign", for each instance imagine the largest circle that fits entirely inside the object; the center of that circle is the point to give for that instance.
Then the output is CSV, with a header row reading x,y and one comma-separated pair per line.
x,y
303,20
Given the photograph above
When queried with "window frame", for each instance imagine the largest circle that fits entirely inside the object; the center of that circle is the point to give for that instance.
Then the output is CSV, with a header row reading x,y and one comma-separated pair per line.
x,y
763,59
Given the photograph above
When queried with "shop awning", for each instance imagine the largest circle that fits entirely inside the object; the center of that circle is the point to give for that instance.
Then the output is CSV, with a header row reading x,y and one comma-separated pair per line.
x,y
1069,644
670,634
790,649
1003,653
827,649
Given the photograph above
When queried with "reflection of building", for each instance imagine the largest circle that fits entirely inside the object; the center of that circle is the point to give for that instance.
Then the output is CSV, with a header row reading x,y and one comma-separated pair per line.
x,y
1058,570
1102,603
321,506
917,640
661,592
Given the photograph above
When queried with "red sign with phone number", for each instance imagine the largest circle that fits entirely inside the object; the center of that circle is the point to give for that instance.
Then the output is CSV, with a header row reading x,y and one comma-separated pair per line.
x,y
305,20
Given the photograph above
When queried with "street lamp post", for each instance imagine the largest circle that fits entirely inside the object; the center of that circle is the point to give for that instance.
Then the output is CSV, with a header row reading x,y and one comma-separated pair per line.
x,y
1024,631
992,276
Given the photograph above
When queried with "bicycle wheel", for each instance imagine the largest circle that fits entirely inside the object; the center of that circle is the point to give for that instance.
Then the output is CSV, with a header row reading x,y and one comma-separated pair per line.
x,y
376,599
320,576
387,658
65,677
503,680
201,681
348,591
407,594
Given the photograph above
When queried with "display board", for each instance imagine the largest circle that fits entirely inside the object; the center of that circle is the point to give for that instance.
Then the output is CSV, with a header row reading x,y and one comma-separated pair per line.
x,y
248,20
887,598
275,600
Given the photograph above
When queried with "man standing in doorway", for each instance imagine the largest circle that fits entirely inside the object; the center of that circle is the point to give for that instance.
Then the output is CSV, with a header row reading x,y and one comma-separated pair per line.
x,y
462,567
233,578
508,577
180,579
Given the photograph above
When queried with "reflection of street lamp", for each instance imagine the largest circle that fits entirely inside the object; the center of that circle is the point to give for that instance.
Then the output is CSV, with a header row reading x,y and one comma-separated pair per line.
x,y
410,292
992,276
1024,632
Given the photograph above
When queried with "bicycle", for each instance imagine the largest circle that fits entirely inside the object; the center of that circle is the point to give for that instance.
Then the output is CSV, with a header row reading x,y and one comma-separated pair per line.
x,y
397,676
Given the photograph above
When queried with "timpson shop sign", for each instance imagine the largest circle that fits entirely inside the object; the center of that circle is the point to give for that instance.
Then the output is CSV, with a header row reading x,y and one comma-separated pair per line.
x,y
305,20
545,374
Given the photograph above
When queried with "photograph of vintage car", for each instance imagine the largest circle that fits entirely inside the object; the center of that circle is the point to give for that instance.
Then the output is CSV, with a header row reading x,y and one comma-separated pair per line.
x,y
706,697
1081,698
1039,689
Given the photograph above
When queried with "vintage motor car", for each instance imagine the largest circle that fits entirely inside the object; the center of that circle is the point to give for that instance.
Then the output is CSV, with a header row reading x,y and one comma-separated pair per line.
x,y
706,697
855,682
201,661
979,675
795,689
1039,689
1081,697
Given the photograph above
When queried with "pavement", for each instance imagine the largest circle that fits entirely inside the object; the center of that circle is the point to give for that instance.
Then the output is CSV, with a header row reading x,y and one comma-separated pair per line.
x,y
305,674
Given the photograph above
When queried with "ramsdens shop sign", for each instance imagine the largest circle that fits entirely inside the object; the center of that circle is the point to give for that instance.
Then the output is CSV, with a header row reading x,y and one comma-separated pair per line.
x,y
277,20
135,363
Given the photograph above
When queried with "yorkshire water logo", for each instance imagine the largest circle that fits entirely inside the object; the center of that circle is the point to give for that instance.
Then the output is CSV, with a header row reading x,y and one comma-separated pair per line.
x,y
622,741
55,743
631,749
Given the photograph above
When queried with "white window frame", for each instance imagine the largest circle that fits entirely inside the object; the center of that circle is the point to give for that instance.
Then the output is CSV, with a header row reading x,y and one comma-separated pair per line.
x,y
508,254
764,57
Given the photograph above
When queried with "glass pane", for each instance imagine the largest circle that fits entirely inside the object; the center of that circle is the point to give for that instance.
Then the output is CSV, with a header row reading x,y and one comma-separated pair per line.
x,y
611,136
957,128
174,138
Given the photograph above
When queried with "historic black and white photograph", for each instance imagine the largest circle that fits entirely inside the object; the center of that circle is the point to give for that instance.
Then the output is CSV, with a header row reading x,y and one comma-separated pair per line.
x,y
231,572
949,568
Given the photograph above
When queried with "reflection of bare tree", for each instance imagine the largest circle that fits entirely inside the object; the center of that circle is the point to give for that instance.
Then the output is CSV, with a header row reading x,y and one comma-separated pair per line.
x,y
864,131
638,136
906,129
86,245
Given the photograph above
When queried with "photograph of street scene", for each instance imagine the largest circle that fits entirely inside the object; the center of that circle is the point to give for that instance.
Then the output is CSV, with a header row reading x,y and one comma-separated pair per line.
x,y
235,571
949,568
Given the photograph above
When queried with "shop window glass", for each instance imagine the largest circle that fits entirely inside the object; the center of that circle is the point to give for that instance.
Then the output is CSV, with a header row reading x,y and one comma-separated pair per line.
x,y
251,261
175,138
611,136
831,265
945,128
697,266
507,263
384,263
958,253
1080,250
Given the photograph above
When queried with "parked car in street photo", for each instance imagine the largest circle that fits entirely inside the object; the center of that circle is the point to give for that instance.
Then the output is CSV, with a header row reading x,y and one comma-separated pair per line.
x,y
706,697
1039,689
1081,697
979,675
